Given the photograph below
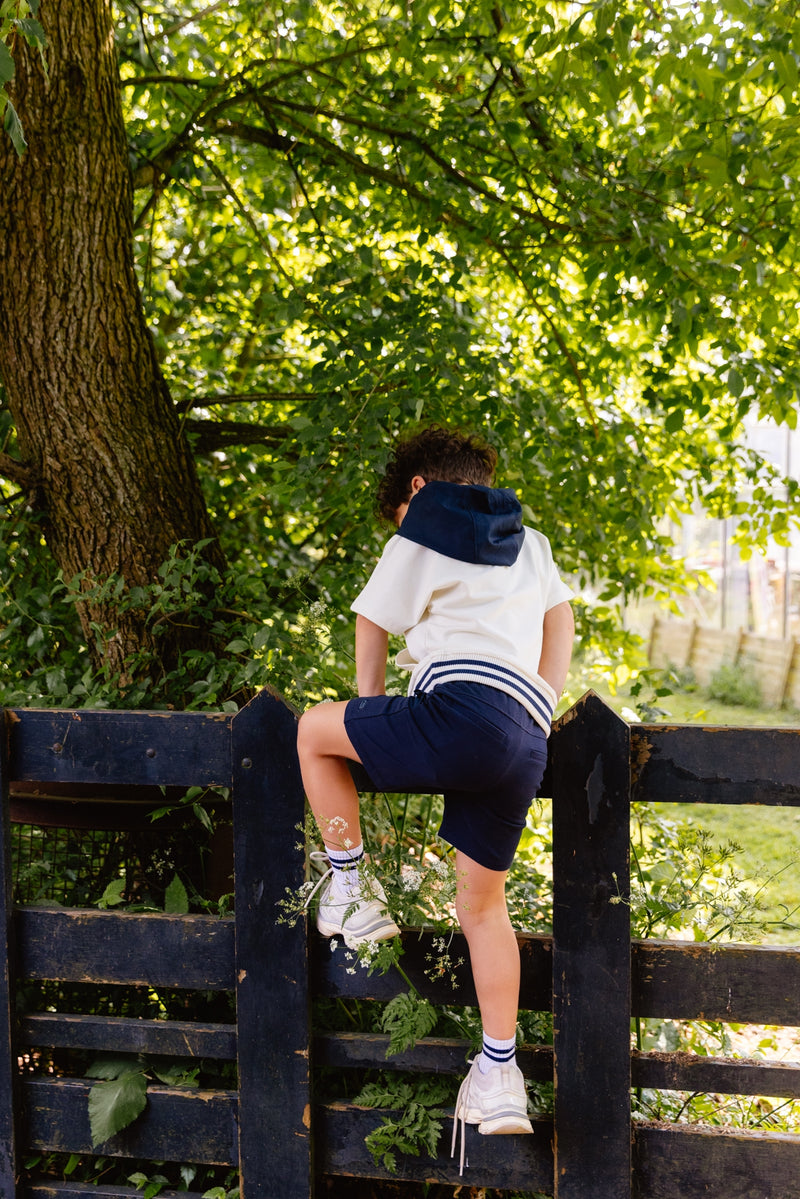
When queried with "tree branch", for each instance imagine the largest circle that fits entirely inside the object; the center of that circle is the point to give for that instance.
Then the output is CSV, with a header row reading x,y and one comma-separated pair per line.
x,y
277,397
209,435
18,472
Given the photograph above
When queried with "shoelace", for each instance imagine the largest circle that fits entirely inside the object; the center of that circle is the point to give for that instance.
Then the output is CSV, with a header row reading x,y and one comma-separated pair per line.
x,y
319,855
459,1118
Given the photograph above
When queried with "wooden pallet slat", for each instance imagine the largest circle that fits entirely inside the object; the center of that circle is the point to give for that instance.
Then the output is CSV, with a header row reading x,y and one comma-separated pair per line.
x,y
431,1055
128,948
123,1034
272,993
726,1076
330,977
177,1125
9,1072
131,748
506,1163
740,984
688,1160
715,764
87,1190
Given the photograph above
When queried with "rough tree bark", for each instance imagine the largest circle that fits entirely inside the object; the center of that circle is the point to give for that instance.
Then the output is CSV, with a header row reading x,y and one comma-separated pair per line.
x,y
97,433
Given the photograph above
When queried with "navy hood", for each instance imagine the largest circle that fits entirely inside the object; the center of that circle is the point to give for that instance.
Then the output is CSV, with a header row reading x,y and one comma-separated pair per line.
x,y
467,522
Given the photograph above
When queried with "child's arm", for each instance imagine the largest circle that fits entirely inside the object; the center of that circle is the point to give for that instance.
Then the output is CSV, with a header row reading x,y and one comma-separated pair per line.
x,y
559,630
372,648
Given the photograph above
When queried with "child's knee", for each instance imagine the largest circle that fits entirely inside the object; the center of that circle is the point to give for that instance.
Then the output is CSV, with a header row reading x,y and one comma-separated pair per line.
x,y
475,910
320,730
307,731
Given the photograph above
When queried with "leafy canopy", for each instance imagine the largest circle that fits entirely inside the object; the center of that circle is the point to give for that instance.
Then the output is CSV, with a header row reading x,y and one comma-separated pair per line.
x,y
572,226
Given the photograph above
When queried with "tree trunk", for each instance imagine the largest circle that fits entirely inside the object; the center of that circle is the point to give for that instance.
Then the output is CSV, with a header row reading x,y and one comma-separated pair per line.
x,y
96,429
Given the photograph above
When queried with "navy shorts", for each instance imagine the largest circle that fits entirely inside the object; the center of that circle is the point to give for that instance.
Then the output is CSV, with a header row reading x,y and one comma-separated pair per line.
x,y
473,744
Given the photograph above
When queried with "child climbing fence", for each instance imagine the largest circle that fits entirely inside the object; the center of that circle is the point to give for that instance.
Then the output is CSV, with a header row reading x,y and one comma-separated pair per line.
x,y
267,1123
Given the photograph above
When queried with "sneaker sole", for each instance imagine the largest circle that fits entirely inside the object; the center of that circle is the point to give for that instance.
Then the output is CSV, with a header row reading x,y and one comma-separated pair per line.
x,y
505,1125
381,932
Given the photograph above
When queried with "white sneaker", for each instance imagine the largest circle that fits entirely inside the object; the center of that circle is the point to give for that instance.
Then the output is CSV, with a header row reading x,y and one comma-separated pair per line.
x,y
495,1101
355,919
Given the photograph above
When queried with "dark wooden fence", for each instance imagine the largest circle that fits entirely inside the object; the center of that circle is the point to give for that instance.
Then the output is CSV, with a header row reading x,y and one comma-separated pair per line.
x,y
589,973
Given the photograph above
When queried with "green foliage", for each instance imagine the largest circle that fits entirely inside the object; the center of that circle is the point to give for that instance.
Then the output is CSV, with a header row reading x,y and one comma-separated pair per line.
x,y
121,1095
211,1182
415,1126
735,684
683,883
115,1102
406,1018
17,24
149,1186
575,234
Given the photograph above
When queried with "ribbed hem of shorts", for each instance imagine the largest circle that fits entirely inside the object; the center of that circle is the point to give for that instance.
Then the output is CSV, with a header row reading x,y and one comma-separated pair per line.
x,y
492,672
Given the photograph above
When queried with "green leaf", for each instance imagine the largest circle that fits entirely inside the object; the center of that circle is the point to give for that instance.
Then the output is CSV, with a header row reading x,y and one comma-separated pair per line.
x,y
735,382
32,31
13,127
115,1104
203,816
112,1067
176,899
113,893
176,1074
406,1018
6,65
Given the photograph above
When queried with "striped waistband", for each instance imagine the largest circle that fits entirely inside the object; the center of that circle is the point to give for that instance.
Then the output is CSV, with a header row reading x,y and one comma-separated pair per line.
x,y
491,673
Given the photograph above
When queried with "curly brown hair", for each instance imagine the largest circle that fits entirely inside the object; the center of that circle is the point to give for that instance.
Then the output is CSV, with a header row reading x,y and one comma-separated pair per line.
x,y
434,453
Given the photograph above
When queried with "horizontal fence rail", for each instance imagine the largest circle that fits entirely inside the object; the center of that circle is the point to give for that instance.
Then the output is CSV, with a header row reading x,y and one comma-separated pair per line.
x,y
589,974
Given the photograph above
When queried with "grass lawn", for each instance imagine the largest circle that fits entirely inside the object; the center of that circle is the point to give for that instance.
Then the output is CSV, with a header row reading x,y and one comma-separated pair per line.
x,y
769,837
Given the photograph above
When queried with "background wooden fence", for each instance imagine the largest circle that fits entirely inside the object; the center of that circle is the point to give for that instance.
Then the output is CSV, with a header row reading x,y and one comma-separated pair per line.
x,y
774,662
588,973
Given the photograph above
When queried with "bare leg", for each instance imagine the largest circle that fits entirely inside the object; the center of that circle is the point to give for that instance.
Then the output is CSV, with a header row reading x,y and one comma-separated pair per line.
x,y
324,750
493,950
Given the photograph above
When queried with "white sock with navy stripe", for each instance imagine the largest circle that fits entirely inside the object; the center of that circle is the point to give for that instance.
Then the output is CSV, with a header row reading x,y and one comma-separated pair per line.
x,y
496,1053
345,862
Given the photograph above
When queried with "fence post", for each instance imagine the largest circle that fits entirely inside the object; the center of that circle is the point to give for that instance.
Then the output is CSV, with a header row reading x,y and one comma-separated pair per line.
x,y
272,994
590,779
9,1083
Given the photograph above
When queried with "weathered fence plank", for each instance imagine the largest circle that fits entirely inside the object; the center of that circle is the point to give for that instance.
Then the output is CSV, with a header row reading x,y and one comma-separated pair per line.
x,y
686,1160
178,1125
505,1163
272,996
83,1190
726,1076
770,660
83,945
329,975
124,1034
431,1055
131,748
659,1071
591,953
711,764
742,984
773,661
